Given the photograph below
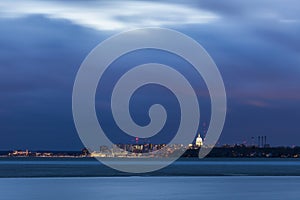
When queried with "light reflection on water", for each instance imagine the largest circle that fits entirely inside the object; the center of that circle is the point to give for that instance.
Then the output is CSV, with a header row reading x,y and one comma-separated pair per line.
x,y
188,161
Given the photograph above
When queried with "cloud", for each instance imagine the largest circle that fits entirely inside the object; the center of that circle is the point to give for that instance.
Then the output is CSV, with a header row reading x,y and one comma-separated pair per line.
x,y
111,15
254,43
257,9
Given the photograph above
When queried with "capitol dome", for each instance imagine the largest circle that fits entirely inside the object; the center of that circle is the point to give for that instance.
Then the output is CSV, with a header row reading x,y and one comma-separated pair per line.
x,y
199,141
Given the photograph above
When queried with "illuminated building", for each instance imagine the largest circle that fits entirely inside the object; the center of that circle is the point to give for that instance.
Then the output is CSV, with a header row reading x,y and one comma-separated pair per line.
x,y
199,141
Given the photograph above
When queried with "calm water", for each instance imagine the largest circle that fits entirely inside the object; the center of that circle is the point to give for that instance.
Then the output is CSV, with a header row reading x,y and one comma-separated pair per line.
x,y
66,167
76,179
137,188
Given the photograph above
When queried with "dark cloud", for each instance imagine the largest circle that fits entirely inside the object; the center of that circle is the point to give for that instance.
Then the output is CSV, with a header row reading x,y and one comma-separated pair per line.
x,y
255,45
38,66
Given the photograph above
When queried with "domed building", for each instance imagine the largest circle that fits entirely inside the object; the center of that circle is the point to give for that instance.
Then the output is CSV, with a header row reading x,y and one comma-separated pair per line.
x,y
199,141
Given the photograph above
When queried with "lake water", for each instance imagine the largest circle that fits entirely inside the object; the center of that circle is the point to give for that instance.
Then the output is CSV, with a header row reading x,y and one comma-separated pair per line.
x,y
137,188
88,167
85,179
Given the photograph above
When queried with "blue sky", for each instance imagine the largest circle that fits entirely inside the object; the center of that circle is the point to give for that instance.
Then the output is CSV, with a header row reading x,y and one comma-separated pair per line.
x,y
255,45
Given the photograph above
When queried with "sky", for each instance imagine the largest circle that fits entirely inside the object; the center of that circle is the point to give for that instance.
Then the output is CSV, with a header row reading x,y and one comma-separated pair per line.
x,y
255,45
